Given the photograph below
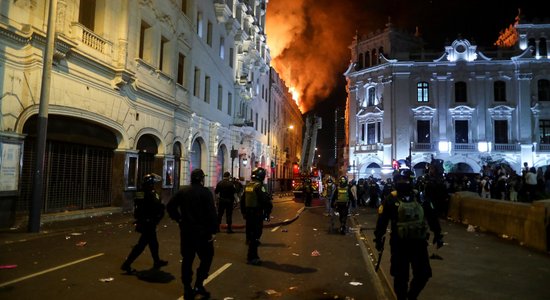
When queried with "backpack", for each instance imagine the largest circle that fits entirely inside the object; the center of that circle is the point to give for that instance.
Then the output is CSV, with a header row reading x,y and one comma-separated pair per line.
x,y
410,221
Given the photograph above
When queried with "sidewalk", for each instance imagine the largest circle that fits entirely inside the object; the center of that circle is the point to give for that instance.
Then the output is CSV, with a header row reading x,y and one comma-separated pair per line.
x,y
474,265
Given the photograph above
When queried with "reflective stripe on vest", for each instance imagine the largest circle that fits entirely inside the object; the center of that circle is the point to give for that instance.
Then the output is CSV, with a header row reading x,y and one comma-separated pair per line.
x,y
251,199
342,195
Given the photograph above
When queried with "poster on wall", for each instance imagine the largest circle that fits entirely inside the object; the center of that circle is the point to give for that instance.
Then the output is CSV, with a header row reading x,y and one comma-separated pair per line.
x,y
10,166
168,177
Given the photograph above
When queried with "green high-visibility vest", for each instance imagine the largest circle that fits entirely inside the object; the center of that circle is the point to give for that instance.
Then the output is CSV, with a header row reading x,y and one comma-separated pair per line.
x,y
343,196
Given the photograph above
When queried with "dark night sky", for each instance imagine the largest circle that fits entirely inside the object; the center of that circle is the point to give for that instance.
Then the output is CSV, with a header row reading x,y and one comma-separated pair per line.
x,y
438,21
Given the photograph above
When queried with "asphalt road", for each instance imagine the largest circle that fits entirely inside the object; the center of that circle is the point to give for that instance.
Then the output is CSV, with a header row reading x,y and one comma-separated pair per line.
x,y
83,262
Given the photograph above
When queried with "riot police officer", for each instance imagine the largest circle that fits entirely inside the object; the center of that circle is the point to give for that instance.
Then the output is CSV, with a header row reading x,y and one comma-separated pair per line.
x,y
340,200
256,207
226,190
148,211
194,210
409,234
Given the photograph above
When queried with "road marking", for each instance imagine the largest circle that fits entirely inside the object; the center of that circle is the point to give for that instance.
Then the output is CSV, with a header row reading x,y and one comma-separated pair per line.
x,y
277,228
50,270
218,272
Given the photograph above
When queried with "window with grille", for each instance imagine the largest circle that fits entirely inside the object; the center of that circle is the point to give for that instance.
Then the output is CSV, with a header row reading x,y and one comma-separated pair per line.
x,y
423,131
544,132
461,131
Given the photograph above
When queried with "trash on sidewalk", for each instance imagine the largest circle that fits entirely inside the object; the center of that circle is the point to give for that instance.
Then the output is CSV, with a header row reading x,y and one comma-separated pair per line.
x,y
295,254
108,279
8,266
355,283
76,233
315,253
272,293
81,244
471,228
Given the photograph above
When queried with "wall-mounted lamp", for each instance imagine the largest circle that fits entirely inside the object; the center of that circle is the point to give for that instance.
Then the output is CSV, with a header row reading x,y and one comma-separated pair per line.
x,y
245,161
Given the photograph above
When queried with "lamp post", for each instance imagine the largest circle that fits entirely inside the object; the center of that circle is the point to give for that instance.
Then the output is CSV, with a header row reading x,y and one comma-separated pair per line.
x,y
234,154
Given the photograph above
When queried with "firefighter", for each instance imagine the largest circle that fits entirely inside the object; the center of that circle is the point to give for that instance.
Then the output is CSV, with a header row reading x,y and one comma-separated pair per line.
x,y
340,201
256,207
409,235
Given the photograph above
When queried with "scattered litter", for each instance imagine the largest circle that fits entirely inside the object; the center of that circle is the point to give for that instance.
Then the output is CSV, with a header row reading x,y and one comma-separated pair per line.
x,y
108,223
355,283
293,288
108,279
63,279
81,244
504,236
363,238
8,266
346,274
76,233
284,230
272,292
471,228
314,229
68,237
295,254
228,298
315,253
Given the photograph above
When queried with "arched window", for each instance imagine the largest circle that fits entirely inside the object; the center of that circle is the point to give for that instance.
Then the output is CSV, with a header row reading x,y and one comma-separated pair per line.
x,y
374,57
367,59
370,96
360,61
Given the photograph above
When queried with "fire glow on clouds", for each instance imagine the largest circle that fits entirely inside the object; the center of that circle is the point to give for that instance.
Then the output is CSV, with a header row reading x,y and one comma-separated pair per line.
x,y
309,43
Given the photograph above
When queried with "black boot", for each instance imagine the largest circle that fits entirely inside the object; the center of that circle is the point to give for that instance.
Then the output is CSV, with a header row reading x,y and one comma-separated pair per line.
x,y
188,293
200,290
159,263
126,267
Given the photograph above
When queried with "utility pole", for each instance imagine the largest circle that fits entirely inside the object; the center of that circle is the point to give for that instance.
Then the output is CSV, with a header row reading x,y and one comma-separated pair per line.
x,y
42,127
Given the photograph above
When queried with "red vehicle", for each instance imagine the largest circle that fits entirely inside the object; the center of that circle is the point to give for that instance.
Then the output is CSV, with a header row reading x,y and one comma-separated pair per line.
x,y
299,179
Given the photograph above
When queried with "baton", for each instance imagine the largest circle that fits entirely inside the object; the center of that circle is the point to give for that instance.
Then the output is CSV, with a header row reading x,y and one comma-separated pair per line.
x,y
380,255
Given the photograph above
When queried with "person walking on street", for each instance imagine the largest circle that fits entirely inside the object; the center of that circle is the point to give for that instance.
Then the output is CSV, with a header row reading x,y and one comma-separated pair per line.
x,y
225,189
148,211
256,207
308,192
329,190
340,200
409,234
194,210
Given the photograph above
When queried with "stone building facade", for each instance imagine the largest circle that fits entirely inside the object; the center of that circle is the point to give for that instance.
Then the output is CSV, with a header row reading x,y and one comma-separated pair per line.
x,y
137,87
466,106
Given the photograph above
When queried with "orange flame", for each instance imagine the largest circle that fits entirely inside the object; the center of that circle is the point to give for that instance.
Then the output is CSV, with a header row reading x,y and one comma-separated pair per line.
x,y
295,95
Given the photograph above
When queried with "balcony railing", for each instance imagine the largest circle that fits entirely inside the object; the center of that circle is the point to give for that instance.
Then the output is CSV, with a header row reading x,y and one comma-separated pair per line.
x,y
368,148
420,147
506,147
91,39
544,147
464,147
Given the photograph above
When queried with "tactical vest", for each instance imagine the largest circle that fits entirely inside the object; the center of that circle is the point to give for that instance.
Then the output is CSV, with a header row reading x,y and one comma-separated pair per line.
x,y
343,196
410,220
251,198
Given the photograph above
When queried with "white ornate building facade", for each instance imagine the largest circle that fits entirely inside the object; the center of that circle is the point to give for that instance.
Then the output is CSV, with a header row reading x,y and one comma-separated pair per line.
x,y
137,86
465,106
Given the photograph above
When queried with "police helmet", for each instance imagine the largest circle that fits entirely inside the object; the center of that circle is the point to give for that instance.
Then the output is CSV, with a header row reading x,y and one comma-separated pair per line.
x,y
329,180
149,180
226,174
258,174
403,174
197,176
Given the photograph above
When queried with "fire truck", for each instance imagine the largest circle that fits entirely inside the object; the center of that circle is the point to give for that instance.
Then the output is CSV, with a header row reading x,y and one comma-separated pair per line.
x,y
304,171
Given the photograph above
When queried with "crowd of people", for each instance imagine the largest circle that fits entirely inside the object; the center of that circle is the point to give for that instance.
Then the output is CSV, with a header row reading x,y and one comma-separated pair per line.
x,y
410,205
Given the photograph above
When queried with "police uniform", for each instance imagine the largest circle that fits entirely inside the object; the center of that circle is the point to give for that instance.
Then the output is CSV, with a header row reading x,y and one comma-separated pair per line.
x,y
255,206
408,241
194,210
148,212
226,190
340,200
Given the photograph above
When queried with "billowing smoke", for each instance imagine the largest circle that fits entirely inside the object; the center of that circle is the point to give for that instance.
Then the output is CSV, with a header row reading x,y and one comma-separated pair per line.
x,y
309,42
